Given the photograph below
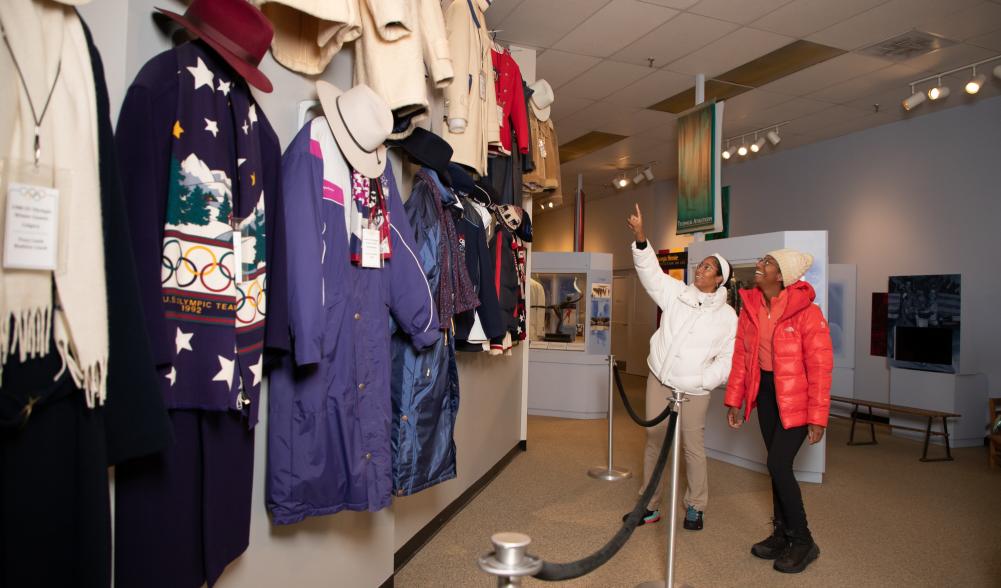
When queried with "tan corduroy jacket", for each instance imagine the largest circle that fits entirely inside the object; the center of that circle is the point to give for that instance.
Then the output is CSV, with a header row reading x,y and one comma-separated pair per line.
x,y
545,152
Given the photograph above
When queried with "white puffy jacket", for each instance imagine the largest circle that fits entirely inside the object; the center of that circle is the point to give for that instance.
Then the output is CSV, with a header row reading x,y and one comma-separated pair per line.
x,y
693,347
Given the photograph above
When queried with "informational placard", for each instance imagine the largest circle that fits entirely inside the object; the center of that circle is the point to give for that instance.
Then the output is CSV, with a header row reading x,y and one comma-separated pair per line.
x,y
700,133
601,313
31,234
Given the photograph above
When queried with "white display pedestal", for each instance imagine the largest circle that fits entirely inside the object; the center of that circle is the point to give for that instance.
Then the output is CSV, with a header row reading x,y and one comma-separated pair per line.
x,y
568,384
744,447
964,394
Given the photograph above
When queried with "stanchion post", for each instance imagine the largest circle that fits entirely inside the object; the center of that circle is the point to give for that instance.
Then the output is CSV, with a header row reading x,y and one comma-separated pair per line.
x,y
610,473
509,560
678,399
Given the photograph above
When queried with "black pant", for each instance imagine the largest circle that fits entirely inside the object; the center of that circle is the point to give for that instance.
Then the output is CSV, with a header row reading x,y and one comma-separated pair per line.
x,y
782,445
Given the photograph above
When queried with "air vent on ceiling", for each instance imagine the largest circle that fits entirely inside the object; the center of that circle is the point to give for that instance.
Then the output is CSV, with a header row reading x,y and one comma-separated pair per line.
x,y
907,46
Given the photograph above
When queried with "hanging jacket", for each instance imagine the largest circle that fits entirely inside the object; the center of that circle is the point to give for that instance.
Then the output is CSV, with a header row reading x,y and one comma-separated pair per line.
x,y
178,138
425,383
329,406
479,263
692,348
545,153
510,103
803,358
504,251
471,98
400,40
456,293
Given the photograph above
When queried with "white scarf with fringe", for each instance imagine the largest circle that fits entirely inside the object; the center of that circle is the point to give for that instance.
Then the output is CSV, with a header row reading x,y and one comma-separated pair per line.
x,y
41,34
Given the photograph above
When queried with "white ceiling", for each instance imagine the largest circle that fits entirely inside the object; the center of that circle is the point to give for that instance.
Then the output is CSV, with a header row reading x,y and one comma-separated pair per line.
x,y
595,54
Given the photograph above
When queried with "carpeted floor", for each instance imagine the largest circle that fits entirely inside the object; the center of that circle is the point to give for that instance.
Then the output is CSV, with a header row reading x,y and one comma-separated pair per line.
x,y
881,517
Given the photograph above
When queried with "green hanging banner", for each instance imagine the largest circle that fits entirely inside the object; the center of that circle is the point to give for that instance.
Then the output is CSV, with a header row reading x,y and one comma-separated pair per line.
x,y
700,133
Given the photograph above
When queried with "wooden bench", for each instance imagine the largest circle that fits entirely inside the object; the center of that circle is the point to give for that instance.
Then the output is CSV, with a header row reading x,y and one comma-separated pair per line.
x,y
931,415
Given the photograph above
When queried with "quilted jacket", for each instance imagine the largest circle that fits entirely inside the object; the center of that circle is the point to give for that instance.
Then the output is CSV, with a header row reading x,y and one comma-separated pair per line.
x,y
803,358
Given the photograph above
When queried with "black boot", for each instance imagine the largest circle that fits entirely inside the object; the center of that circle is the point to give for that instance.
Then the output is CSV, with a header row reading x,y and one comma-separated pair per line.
x,y
800,553
774,545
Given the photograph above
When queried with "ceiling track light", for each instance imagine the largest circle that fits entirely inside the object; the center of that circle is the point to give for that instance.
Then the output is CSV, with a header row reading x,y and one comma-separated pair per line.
x,y
938,92
639,177
976,82
621,182
771,134
914,100
648,173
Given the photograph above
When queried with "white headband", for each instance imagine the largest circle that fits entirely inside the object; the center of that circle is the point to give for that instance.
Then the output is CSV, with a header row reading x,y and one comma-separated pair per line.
x,y
724,268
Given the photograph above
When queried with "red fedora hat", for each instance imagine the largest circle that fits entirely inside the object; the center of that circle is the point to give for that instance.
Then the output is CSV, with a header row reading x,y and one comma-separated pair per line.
x,y
238,31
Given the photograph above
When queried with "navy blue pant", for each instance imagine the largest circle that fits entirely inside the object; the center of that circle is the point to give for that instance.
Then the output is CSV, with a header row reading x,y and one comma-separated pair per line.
x,y
782,445
182,515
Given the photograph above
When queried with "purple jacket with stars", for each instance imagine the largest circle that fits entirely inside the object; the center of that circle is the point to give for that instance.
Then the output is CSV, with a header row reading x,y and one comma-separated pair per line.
x,y
201,167
329,405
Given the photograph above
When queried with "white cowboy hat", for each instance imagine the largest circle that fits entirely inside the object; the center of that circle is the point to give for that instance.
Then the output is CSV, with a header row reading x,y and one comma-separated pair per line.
x,y
542,99
361,122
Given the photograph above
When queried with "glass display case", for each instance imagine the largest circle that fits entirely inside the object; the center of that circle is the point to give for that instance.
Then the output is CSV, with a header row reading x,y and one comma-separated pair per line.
x,y
560,311
569,334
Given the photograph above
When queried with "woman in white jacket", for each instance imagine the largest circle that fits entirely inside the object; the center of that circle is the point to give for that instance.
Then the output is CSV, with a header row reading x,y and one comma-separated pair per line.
x,y
691,351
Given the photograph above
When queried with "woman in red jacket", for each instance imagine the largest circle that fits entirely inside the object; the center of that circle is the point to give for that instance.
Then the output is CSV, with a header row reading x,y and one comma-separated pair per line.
x,y
782,364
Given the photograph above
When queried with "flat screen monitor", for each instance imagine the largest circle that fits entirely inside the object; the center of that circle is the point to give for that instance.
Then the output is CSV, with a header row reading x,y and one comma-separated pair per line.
x,y
923,345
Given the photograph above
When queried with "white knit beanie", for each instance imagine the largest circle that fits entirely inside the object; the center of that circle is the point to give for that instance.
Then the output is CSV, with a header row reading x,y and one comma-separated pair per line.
x,y
793,264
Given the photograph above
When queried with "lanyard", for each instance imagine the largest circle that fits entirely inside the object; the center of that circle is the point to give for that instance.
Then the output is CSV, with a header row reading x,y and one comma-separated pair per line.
x,y
38,119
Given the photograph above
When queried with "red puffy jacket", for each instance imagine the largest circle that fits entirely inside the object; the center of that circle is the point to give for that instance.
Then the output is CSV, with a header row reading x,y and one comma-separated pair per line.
x,y
803,358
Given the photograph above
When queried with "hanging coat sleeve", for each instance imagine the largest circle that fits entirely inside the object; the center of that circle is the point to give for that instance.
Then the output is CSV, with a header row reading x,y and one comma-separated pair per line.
x,y
276,328
135,419
143,146
411,301
301,178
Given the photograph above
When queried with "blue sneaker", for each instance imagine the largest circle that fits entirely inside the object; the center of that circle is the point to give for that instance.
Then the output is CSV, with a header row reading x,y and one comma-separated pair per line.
x,y
693,519
650,516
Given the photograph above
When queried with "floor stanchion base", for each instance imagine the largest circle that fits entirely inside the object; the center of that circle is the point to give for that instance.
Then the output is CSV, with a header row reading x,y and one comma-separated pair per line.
x,y
612,474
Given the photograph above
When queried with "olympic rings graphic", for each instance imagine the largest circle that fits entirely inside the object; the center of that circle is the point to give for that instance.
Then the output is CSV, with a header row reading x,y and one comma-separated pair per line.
x,y
183,264
223,271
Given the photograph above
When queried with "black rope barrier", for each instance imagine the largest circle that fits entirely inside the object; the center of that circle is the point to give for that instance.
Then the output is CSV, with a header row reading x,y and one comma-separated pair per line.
x,y
629,408
556,572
